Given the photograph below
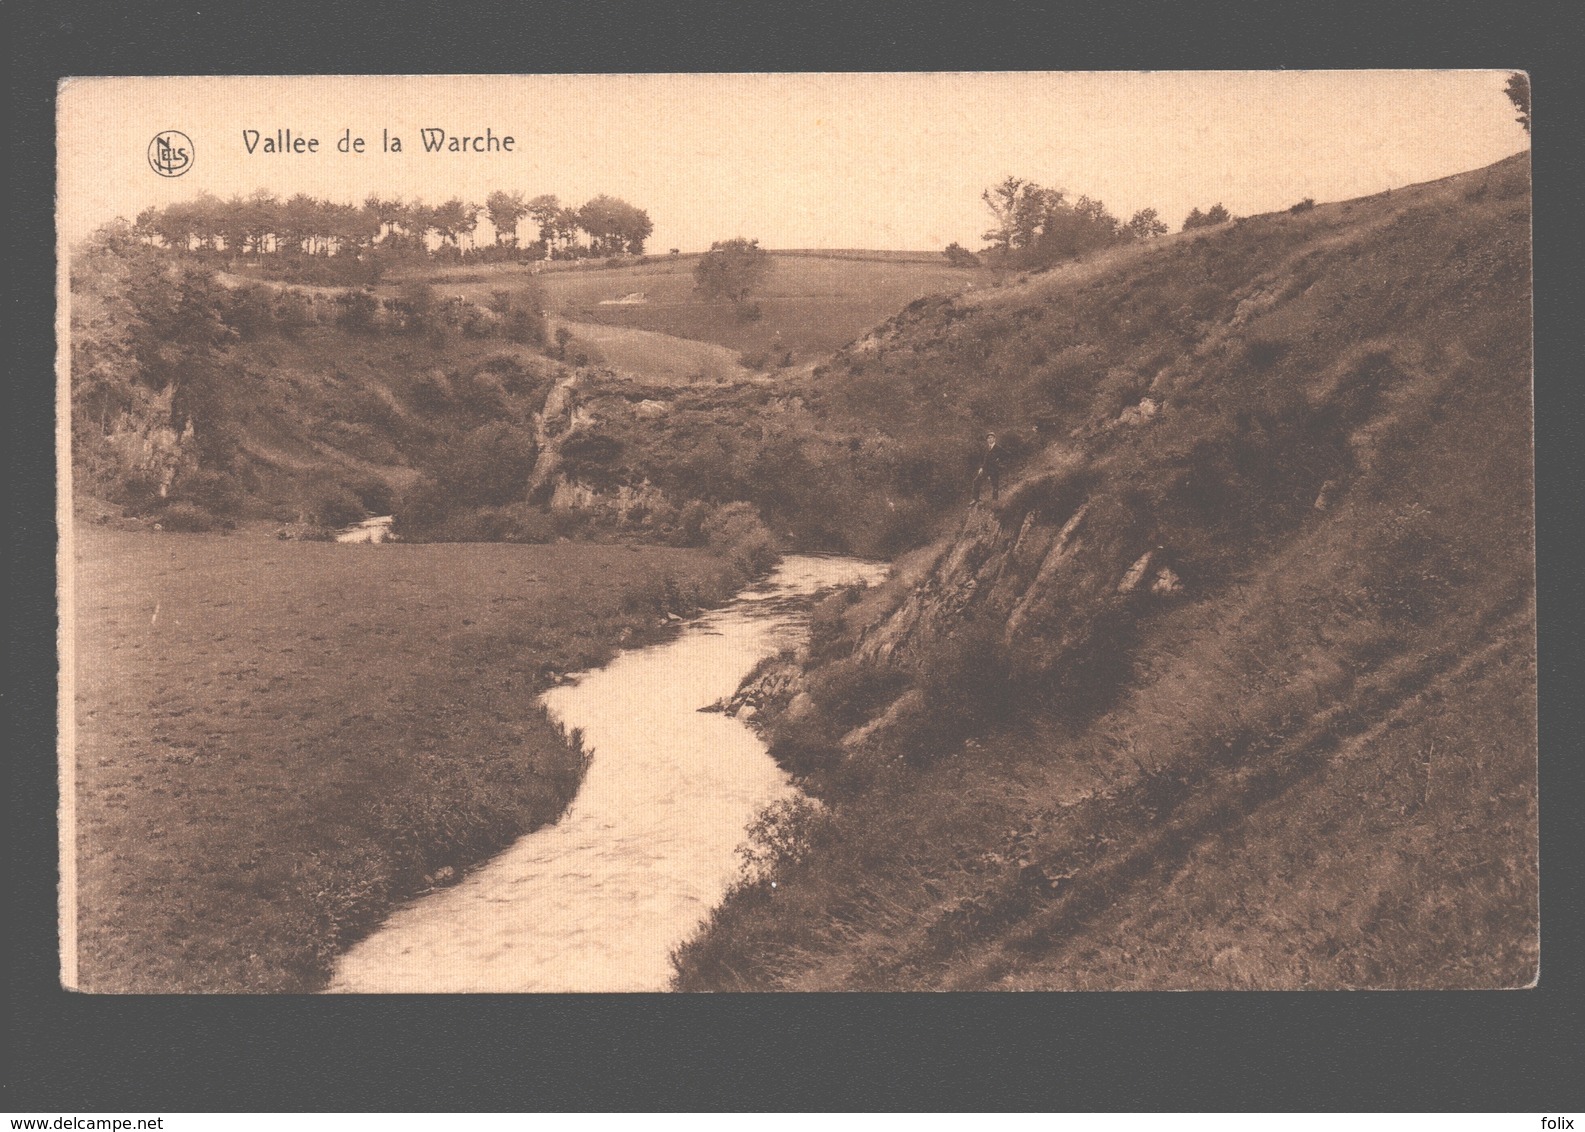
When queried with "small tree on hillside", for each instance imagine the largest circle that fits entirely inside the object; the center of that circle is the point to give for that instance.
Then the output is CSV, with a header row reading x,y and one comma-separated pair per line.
x,y
732,269
1144,224
1518,92
1213,216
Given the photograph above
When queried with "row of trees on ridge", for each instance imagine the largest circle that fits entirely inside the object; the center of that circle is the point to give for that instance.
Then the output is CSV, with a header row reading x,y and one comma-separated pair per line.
x,y
263,224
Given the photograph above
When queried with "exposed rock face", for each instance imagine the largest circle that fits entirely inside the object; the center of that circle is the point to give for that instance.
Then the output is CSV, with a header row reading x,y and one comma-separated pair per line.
x,y
1043,581
552,422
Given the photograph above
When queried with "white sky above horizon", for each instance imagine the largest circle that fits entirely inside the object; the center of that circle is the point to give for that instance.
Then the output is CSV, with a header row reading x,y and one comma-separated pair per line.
x,y
885,161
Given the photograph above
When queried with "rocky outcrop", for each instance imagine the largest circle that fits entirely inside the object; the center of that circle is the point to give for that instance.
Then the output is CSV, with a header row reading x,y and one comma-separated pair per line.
x,y
769,690
552,423
1052,583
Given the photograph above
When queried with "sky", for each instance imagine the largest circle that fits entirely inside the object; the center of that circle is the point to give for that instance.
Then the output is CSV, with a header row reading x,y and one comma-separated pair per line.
x,y
887,161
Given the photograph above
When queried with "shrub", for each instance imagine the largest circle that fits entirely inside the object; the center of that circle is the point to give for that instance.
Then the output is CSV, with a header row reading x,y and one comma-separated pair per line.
x,y
804,746
850,691
294,311
358,311
526,523
754,359
1052,496
217,493
828,638
417,305
1263,353
591,456
186,517
959,256
488,467
138,490
332,504
515,522
477,322
735,532
1304,205
690,523
432,392
252,310
967,684
375,495
783,834
423,506
480,395
524,325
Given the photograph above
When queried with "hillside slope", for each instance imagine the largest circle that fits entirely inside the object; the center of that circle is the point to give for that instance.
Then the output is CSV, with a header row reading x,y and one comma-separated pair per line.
x,y
1234,686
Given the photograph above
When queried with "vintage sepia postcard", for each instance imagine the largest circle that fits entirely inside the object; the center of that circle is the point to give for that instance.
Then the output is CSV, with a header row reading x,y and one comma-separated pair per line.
x,y
794,532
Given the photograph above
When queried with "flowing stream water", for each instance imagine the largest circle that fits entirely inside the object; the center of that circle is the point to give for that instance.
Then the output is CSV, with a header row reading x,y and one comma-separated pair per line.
x,y
598,901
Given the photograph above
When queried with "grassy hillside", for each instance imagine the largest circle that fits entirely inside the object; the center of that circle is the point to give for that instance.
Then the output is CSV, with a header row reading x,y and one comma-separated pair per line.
x,y
277,741
1234,685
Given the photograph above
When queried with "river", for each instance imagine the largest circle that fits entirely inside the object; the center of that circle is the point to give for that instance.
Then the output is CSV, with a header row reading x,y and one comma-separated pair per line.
x,y
598,901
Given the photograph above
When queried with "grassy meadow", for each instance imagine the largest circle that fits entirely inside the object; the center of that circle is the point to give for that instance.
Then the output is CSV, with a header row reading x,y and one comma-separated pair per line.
x,y
278,740
811,304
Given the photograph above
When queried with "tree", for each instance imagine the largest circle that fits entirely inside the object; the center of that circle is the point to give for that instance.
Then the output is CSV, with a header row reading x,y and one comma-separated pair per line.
x,y
1518,92
601,218
1213,216
1067,231
732,269
453,218
566,228
637,227
390,215
418,219
1144,224
614,226
505,210
545,211
1036,226
1019,208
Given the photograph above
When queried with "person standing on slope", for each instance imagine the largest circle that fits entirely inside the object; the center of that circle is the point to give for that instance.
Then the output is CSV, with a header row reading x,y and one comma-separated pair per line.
x,y
990,469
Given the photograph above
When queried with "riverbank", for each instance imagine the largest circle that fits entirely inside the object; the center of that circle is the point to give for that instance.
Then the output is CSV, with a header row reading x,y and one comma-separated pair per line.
x,y
277,742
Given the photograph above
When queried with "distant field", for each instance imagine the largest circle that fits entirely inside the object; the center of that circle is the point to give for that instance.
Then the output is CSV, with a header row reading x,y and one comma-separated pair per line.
x,y
815,302
660,358
277,740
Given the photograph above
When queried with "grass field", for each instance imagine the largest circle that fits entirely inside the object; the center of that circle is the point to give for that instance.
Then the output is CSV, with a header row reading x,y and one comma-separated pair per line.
x,y
657,358
812,303
276,741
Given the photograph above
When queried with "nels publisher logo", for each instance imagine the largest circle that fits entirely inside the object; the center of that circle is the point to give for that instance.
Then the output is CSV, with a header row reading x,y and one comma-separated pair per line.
x,y
171,153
